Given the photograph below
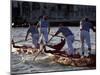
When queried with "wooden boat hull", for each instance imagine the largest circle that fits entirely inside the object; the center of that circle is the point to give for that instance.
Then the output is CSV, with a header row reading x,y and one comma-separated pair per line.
x,y
24,49
78,62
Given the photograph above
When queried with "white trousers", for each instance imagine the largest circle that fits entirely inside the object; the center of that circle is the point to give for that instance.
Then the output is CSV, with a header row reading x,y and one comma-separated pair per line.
x,y
70,40
44,34
35,38
85,36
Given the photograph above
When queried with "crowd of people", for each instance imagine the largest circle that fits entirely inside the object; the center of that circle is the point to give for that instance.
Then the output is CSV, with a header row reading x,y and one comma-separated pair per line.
x,y
43,24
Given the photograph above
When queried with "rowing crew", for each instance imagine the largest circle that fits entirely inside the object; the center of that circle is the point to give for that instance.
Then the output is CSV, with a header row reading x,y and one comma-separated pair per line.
x,y
85,26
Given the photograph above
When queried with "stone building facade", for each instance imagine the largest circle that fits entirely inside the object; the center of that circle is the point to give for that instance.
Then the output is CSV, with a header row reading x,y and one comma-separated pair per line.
x,y
30,11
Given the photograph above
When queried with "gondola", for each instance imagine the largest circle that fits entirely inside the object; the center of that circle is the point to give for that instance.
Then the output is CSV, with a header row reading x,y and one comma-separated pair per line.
x,y
60,56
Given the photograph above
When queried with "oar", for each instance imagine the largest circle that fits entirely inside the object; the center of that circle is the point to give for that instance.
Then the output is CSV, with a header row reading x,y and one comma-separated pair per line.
x,y
56,35
42,49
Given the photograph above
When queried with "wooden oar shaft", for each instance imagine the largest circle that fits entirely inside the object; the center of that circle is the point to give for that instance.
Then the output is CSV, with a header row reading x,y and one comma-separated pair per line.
x,y
57,35
37,54
42,49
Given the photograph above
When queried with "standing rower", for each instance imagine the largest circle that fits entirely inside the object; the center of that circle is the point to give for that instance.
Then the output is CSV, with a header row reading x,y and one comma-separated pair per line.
x,y
85,26
69,37
44,28
35,34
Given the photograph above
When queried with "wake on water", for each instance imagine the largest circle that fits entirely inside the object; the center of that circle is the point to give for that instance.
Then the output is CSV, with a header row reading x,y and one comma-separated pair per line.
x,y
41,64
